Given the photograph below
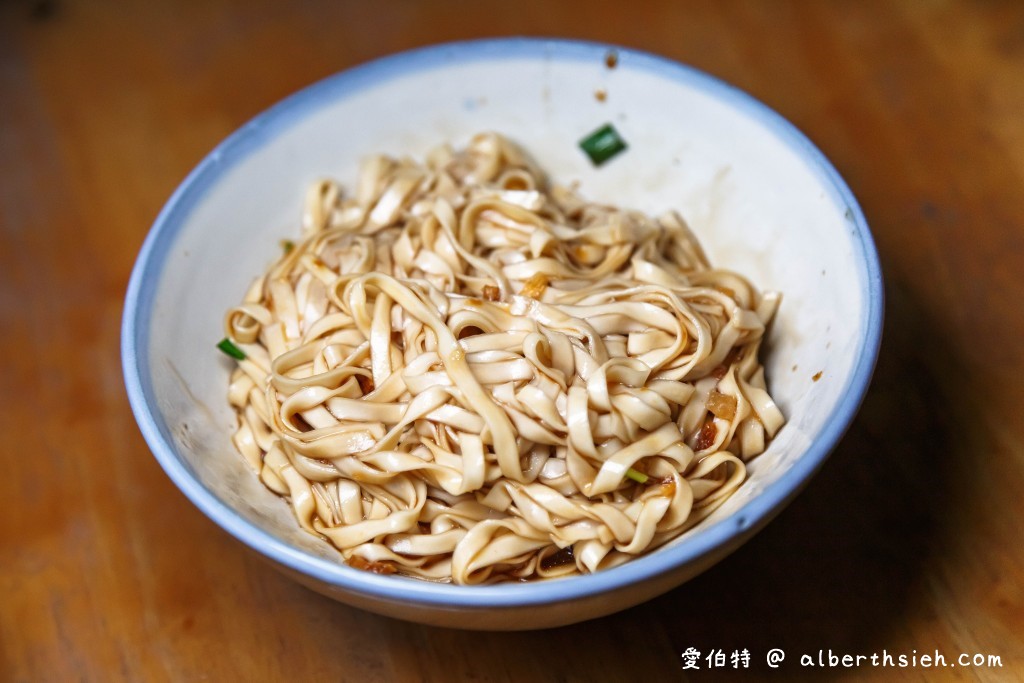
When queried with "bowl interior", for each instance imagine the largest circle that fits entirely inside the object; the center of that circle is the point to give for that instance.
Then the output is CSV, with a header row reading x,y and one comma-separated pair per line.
x,y
760,198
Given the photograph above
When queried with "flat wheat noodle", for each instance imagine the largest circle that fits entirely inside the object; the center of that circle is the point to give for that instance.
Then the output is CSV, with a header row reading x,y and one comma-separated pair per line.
x,y
461,374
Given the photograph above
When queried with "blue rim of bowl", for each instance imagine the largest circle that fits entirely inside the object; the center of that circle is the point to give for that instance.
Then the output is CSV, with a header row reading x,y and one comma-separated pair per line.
x,y
146,274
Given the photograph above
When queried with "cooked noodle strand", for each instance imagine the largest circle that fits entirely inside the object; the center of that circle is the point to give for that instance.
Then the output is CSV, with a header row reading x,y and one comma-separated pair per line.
x,y
462,374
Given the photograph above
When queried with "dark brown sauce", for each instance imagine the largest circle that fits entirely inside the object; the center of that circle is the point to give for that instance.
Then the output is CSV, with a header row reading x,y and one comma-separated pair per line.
x,y
300,424
559,558
365,383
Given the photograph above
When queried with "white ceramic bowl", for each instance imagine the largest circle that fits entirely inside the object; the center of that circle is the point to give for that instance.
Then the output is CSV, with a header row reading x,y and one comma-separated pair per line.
x,y
763,200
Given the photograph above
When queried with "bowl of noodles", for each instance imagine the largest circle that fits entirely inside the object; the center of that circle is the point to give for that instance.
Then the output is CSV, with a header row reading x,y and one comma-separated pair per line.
x,y
502,334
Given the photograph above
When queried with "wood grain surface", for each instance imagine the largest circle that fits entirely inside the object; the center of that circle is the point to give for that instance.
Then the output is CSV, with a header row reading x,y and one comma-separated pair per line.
x,y
910,540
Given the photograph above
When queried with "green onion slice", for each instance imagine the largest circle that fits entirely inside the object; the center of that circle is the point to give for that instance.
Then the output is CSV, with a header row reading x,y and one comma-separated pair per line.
x,y
603,144
638,477
228,347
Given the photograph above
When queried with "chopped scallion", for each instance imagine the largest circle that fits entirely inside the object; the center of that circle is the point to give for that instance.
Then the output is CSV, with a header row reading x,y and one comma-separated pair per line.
x,y
638,477
287,246
228,347
602,144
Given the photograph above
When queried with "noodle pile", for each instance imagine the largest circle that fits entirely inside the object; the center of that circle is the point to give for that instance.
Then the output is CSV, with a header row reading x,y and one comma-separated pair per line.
x,y
461,374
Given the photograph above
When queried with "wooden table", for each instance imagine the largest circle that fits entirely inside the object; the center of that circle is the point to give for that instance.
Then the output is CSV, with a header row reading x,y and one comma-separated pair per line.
x,y
911,538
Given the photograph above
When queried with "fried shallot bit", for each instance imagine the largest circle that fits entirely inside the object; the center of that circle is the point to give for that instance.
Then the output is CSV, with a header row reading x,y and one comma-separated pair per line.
x,y
722,405
373,566
491,293
706,437
535,286
667,487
